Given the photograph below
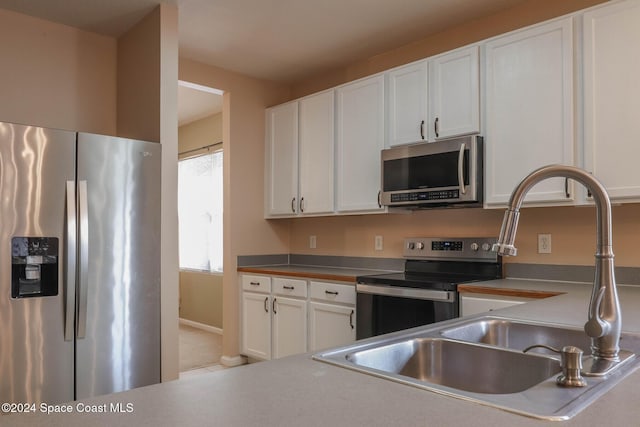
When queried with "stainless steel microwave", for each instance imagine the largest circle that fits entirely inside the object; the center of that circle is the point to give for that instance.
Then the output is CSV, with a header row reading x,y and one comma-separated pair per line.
x,y
443,173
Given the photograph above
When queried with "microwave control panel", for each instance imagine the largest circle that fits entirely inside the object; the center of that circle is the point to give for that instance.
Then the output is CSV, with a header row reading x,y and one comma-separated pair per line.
x,y
425,195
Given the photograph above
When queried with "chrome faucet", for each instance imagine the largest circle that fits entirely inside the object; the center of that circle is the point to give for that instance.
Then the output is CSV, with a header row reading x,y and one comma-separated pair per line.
x,y
604,319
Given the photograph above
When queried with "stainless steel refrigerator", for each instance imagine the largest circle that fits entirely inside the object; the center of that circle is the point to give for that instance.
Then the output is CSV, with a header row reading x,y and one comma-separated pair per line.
x,y
79,264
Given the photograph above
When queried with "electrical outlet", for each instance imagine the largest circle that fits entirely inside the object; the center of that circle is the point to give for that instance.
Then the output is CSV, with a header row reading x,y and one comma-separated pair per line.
x,y
379,244
312,242
544,243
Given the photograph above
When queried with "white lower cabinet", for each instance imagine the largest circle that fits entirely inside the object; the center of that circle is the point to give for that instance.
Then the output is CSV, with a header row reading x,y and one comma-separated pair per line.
x,y
330,325
289,320
332,315
283,316
475,304
256,316
256,325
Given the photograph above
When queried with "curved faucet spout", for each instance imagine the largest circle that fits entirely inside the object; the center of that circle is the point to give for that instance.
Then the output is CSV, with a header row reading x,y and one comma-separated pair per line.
x,y
604,318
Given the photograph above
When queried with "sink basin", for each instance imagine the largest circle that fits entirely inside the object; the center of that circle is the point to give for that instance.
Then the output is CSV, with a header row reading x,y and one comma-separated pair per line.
x,y
455,364
480,360
518,335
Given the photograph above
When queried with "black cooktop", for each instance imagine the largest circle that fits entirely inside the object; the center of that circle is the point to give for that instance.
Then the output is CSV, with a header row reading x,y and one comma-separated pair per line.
x,y
441,275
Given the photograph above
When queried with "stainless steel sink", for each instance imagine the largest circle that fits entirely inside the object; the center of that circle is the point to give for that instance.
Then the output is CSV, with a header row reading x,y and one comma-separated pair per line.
x,y
481,360
518,335
455,364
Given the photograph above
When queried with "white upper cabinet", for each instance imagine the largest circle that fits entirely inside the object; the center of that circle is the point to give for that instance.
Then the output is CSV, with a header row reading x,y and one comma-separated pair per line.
x,y
407,104
316,153
454,93
612,97
359,140
435,98
299,151
529,111
281,151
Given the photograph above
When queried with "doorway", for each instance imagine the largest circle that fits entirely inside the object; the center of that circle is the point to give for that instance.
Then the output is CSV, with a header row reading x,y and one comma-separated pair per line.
x,y
200,153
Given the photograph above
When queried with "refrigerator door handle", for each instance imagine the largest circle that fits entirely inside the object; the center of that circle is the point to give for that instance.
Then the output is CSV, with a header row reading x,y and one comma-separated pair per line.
x,y
83,270
70,267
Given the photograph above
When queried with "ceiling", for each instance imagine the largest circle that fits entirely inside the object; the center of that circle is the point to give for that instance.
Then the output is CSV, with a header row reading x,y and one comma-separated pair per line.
x,y
279,40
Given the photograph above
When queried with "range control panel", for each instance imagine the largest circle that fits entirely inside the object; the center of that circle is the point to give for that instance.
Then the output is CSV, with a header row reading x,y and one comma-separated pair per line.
x,y
454,249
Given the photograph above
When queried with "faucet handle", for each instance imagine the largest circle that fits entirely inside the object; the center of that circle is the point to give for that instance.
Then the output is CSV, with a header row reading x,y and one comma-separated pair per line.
x,y
570,362
596,327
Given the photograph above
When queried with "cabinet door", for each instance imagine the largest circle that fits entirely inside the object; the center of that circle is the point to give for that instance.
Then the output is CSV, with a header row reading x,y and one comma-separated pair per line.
x,y
330,325
256,325
281,154
289,326
612,97
454,86
316,153
359,140
408,104
529,104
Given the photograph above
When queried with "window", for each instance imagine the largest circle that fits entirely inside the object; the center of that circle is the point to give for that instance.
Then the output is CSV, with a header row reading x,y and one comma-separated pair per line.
x,y
200,212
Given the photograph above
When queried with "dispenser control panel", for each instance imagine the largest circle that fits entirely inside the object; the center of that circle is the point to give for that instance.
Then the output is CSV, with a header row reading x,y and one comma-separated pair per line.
x,y
34,266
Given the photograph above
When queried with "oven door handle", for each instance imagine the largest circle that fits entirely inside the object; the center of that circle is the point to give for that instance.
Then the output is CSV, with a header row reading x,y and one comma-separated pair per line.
x,y
414,293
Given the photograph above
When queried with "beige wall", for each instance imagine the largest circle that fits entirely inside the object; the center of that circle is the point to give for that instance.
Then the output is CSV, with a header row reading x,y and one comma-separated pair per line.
x,y
56,76
201,293
200,133
245,230
139,82
572,230
201,298
527,13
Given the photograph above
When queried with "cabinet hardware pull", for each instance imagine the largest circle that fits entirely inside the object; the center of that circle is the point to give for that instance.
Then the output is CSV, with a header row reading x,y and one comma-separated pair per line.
x,y
302,205
266,307
289,288
273,306
436,127
293,205
351,319
379,199
330,293
566,188
422,129
254,283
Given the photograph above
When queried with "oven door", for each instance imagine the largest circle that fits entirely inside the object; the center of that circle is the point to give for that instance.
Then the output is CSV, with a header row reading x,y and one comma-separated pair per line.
x,y
382,309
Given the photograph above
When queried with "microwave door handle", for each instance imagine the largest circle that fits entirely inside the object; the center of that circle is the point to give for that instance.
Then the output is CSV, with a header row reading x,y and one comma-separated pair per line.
x,y
463,190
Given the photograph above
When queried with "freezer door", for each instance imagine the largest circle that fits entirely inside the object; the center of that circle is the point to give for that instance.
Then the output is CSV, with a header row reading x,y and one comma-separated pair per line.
x,y
36,363
118,330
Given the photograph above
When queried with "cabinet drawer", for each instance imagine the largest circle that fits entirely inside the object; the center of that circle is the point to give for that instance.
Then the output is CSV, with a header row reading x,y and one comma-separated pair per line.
x,y
290,287
333,292
256,283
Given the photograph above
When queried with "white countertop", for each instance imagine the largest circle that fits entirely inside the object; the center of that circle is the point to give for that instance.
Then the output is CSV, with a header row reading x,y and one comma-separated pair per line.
x,y
298,391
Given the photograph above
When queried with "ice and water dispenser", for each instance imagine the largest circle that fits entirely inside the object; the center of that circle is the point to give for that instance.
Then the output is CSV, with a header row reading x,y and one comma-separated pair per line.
x,y
34,269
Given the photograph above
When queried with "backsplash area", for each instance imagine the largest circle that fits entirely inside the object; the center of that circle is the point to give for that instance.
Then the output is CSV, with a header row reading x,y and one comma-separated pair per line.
x,y
572,230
